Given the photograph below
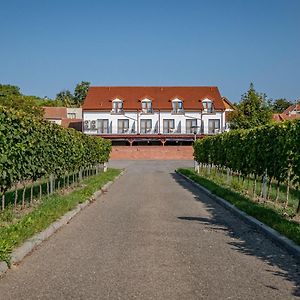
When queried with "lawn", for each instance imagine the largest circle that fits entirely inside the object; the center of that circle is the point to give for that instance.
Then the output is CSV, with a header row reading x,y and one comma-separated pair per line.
x,y
264,212
16,227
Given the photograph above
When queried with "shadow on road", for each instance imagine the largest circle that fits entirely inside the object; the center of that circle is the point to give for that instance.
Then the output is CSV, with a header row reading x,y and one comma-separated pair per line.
x,y
244,238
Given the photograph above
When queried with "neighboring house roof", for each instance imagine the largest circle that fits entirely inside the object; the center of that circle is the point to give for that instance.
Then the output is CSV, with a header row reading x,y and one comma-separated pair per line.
x,y
55,112
285,117
288,114
228,104
295,107
100,98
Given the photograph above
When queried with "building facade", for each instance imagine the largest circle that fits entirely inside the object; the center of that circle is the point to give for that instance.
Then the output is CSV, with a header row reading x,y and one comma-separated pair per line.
x,y
165,114
68,117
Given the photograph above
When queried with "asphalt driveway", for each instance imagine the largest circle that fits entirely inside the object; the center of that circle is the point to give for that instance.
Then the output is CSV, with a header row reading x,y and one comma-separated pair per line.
x,y
153,236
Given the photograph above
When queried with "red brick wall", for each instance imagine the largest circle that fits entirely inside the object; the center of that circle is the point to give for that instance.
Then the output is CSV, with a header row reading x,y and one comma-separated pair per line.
x,y
152,152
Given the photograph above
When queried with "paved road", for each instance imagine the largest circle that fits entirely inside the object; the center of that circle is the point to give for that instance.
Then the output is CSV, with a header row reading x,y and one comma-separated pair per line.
x,y
153,237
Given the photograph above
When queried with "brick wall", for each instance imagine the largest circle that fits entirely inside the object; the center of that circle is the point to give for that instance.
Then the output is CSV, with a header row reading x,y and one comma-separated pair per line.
x,y
152,152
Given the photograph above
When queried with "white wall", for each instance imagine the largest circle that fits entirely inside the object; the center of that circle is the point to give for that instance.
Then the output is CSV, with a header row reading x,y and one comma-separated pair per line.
x,y
157,119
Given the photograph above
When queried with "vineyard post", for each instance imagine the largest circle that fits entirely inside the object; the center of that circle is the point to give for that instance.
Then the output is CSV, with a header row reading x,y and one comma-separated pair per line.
x,y
264,187
51,178
277,191
254,187
16,196
288,187
3,200
227,176
31,193
41,191
23,195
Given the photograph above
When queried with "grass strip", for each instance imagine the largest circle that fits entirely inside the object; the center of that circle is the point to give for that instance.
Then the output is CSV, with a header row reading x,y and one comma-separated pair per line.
x,y
259,211
51,209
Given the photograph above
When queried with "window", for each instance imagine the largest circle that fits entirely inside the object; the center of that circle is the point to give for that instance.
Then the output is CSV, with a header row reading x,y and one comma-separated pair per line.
x,y
213,126
146,106
102,126
177,106
146,126
117,106
191,126
123,125
71,115
168,126
207,106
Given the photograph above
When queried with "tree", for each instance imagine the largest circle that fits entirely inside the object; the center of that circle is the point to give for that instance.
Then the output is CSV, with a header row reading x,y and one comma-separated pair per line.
x,y
8,91
280,105
80,92
10,96
66,98
253,110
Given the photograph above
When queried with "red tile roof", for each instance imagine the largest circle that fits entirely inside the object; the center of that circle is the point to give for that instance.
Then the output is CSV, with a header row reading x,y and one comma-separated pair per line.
x,y
291,108
55,112
228,104
100,98
284,117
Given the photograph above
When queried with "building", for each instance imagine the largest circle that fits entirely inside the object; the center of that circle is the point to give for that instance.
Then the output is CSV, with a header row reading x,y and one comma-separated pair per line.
x,y
153,114
68,117
291,113
229,107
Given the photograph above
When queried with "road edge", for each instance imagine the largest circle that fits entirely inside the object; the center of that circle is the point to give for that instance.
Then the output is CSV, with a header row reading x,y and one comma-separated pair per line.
x,y
271,233
19,253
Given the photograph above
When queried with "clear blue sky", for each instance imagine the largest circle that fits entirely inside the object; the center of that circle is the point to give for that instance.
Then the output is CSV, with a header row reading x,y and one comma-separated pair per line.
x,y
48,46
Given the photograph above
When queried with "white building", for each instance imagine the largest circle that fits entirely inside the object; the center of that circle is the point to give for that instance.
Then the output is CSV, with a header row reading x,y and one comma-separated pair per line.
x,y
166,114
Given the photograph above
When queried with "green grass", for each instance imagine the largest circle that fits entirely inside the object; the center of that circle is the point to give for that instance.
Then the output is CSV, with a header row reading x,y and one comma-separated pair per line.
x,y
246,188
50,209
260,211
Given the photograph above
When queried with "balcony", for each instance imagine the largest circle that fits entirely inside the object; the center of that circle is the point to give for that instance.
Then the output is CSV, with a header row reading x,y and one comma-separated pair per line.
x,y
145,111
178,111
117,111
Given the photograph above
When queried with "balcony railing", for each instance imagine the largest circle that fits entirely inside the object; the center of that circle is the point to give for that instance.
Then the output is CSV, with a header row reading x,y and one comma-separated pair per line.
x,y
178,111
147,111
117,111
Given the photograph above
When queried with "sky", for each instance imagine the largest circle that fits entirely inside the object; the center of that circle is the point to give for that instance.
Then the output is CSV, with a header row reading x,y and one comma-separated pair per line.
x,y
51,45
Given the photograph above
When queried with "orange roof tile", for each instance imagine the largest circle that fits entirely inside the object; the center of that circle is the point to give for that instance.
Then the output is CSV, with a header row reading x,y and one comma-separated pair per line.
x,y
100,98
284,117
55,112
291,108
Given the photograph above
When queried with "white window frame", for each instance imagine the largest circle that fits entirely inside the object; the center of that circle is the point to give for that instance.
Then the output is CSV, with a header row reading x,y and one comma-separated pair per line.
x,y
146,106
123,129
207,106
177,106
117,106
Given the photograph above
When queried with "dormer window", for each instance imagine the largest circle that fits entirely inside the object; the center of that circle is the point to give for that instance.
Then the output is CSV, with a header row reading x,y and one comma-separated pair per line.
x,y
146,106
117,106
207,106
177,106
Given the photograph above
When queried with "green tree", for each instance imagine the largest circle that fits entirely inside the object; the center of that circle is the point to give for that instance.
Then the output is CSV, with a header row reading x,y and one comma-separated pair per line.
x,y
80,92
253,110
66,98
280,105
9,91
10,96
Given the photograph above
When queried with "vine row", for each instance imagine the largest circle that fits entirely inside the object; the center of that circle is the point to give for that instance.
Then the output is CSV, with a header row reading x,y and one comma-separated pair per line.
x,y
33,149
271,151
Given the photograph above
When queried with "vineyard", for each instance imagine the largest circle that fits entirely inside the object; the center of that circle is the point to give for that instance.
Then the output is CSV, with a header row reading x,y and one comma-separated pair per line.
x,y
265,158
37,153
